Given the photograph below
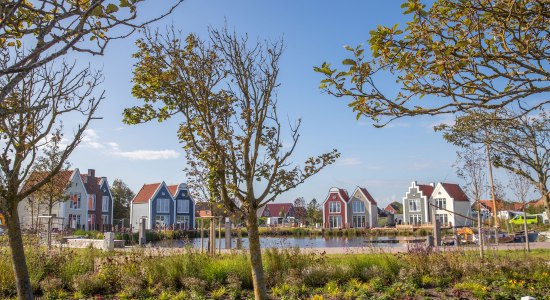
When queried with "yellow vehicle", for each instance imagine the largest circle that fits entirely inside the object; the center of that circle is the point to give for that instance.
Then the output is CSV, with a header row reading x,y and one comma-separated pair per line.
x,y
518,219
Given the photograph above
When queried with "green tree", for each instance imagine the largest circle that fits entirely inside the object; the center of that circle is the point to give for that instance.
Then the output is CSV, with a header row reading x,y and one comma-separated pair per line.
x,y
38,103
464,55
122,197
34,33
224,92
314,211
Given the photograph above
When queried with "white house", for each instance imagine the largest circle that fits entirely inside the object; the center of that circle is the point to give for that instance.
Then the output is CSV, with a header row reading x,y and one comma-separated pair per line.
x,y
451,205
72,208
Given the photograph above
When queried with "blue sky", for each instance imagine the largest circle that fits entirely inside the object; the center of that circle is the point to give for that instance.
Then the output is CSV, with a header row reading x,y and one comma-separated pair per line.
x,y
384,161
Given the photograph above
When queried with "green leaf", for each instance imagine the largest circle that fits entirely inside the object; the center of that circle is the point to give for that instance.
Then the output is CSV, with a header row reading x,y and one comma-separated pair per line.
x,y
97,11
124,3
111,8
349,62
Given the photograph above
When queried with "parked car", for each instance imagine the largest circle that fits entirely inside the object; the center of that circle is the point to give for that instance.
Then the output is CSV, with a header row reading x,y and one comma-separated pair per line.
x,y
518,219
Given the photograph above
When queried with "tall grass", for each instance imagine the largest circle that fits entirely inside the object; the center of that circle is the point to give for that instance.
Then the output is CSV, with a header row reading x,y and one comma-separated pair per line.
x,y
290,274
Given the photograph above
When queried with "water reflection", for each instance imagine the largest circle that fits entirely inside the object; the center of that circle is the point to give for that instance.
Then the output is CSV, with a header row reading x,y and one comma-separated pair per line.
x,y
287,242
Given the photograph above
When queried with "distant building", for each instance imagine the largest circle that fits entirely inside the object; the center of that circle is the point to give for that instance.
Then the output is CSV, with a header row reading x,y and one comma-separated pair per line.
x,y
415,203
335,209
99,201
163,206
452,205
362,209
277,213
394,208
71,207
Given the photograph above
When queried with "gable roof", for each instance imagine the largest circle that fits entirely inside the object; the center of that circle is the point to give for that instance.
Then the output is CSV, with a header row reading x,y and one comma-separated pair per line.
x,y
146,193
275,208
393,207
367,195
173,189
455,191
488,204
63,177
426,189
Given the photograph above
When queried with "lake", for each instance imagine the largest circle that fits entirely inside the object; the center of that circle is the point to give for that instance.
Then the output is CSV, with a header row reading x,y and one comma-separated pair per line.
x,y
300,242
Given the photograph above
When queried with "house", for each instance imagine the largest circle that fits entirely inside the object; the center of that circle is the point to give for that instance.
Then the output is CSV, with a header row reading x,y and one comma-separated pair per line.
x,y
415,204
185,206
155,204
363,210
99,201
487,206
394,208
452,205
335,209
202,209
277,213
71,208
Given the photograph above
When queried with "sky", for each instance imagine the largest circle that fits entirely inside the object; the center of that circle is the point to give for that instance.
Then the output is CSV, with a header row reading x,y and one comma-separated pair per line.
x,y
385,161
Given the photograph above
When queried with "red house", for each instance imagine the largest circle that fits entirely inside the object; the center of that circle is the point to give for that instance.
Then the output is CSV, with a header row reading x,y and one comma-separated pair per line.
x,y
335,209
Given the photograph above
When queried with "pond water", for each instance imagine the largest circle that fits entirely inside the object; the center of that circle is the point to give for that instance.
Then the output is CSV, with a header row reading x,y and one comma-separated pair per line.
x,y
287,242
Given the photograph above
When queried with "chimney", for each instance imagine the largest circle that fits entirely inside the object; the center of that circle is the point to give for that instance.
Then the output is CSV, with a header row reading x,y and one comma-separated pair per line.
x,y
91,173
432,184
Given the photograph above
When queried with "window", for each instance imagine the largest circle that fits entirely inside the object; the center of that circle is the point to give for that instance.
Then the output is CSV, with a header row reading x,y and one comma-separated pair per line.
x,y
414,205
358,206
74,201
105,219
442,218
334,207
163,205
359,221
183,221
105,204
162,220
415,219
335,221
91,202
183,206
91,221
441,202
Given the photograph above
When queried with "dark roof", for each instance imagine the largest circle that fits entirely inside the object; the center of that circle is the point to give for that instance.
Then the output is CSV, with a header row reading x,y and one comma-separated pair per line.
x,y
455,191
146,193
367,194
426,189
394,207
275,208
343,194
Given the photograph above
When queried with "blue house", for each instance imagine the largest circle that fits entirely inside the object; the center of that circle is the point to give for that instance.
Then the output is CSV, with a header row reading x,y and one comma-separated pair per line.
x,y
163,206
185,206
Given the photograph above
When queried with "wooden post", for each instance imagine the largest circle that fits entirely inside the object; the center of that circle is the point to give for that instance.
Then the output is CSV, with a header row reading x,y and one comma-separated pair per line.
x,y
220,235
227,234
202,237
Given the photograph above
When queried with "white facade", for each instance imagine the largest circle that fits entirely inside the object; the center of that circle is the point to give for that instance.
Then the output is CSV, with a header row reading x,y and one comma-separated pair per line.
x,y
137,211
452,209
74,212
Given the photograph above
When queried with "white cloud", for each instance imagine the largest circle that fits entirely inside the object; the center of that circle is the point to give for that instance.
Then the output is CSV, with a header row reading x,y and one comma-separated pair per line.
x,y
90,139
147,154
348,161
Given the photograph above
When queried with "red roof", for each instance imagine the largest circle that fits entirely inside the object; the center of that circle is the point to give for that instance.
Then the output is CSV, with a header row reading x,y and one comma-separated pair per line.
x,y
275,208
455,191
489,204
426,189
146,193
367,194
343,194
173,189
63,177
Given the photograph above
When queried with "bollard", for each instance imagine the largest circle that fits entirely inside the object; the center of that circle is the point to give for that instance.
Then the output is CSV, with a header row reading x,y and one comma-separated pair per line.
x,y
142,238
227,233
108,241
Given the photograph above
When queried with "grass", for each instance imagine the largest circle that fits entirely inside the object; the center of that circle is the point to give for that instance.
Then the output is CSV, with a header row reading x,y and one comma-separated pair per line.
x,y
290,274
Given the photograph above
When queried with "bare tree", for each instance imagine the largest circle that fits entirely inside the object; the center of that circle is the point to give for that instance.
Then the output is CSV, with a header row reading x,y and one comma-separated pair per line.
x,y
33,33
471,168
521,186
519,143
32,111
225,92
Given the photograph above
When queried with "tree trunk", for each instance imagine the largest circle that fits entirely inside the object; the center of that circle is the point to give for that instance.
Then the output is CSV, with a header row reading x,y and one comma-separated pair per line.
x,y
479,234
546,201
260,290
22,281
